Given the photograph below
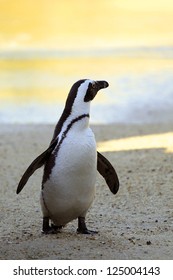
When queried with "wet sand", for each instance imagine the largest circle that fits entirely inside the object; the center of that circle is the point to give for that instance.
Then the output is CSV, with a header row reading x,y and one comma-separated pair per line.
x,y
137,223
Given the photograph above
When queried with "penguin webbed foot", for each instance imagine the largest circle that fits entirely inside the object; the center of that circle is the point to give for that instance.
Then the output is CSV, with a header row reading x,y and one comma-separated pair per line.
x,y
46,229
49,230
86,231
82,227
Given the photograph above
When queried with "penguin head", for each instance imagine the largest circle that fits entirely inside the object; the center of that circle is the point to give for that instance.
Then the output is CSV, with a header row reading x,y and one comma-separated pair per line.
x,y
81,94
93,88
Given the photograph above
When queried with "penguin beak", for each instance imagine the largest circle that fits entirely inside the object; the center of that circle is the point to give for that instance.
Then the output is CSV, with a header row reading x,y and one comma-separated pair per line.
x,y
94,88
102,84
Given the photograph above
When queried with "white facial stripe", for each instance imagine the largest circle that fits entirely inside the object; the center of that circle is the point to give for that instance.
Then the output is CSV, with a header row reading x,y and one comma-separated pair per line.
x,y
79,106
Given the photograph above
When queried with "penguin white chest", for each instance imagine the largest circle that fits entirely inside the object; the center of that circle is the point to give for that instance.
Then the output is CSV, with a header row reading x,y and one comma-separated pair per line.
x,y
70,189
76,158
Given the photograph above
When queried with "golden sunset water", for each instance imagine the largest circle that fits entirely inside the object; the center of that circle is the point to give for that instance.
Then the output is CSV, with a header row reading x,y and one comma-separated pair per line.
x,y
45,46
79,23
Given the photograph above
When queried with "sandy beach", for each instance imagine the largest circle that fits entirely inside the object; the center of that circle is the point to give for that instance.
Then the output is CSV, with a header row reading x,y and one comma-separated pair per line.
x,y
137,223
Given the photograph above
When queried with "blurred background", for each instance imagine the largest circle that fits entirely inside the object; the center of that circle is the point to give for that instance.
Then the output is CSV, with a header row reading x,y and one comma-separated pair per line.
x,y
47,45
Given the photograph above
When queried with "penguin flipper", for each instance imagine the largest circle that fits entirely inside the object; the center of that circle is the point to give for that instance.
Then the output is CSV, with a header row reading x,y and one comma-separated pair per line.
x,y
106,169
37,163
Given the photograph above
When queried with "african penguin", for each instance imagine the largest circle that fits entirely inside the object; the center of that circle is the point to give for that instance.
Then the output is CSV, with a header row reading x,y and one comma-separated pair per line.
x,y
71,163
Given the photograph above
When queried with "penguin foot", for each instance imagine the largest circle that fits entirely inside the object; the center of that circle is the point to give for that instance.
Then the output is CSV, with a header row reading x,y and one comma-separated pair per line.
x,y
46,229
86,231
49,230
52,230
82,227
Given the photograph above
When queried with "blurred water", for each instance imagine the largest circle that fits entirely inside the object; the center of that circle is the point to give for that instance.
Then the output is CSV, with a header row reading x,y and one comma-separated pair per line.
x,y
34,84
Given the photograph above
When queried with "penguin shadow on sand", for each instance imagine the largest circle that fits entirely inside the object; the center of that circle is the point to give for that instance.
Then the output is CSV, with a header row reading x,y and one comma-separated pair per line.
x,y
71,163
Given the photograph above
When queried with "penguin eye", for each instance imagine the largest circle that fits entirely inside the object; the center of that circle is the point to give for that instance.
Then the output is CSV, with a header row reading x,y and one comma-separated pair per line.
x,y
93,85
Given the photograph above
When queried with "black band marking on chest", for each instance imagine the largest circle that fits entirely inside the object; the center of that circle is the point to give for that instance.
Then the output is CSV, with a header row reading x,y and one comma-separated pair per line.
x,y
51,161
